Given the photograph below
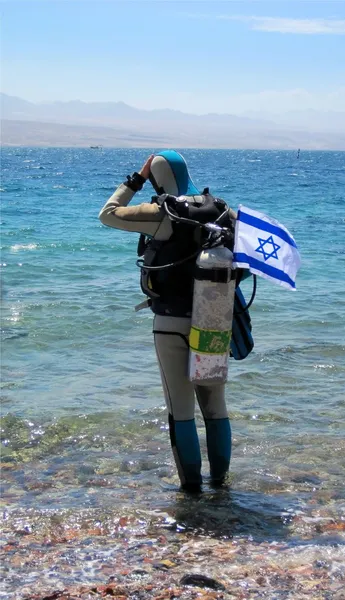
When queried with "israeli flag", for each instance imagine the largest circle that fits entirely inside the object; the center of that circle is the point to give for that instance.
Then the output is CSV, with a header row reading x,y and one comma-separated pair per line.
x,y
265,247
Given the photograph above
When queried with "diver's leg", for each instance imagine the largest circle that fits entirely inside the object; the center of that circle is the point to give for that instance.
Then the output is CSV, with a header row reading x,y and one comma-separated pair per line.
x,y
212,404
172,352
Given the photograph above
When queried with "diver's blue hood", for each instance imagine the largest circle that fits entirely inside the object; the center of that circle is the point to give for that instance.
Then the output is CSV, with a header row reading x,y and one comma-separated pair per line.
x,y
170,172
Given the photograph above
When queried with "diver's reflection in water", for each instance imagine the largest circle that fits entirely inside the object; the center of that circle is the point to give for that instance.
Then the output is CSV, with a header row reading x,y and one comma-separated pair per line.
x,y
224,513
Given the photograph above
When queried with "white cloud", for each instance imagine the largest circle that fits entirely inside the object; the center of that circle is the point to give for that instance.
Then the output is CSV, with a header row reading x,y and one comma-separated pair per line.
x,y
304,26
286,25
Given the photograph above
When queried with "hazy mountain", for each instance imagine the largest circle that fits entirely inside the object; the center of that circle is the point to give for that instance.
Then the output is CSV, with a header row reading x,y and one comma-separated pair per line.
x,y
311,120
79,123
111,112
35,133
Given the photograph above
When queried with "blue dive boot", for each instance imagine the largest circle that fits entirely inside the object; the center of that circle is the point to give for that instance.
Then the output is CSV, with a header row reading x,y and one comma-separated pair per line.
x,y
218,436
186,449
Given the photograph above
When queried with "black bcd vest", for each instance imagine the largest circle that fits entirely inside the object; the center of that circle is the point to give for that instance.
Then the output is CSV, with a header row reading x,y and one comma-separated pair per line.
x,y
170,289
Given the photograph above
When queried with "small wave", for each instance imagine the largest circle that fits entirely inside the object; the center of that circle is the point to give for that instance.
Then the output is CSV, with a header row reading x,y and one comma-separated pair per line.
x,y
324,366
106,189
14,188
10,333
326,349
18,247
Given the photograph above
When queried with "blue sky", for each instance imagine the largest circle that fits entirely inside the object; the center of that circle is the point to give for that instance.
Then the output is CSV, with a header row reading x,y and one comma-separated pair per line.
x,y
209,56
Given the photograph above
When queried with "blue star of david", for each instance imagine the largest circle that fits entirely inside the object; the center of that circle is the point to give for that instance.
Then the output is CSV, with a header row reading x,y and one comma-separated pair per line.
x,y
261,248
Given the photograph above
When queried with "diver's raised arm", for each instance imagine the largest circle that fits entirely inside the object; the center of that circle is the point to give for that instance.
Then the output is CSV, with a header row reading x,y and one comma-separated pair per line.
x,y
144,218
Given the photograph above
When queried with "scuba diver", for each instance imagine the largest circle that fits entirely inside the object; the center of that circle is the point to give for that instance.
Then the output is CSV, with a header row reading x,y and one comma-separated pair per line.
x,y
165,241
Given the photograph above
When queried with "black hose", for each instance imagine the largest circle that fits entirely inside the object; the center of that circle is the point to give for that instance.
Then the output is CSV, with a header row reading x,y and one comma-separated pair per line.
x,y
174,217
208,244
239,312
141,265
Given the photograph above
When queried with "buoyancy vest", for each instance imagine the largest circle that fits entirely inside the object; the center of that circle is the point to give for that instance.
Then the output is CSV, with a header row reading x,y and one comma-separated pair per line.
x,y
170,288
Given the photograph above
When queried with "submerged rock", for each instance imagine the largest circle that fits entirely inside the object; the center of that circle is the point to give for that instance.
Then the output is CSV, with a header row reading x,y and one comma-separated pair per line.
x,y
202,581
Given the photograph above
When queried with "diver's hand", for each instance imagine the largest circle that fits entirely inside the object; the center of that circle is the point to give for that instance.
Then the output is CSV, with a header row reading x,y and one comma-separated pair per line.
x,y
136,181
145,169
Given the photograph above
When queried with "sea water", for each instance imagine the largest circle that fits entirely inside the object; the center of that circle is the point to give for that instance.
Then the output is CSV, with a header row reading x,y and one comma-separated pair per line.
x,y
84,426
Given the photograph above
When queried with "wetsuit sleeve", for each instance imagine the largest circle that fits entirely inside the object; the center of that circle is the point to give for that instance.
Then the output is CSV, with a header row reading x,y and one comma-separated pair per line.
x,y
145,218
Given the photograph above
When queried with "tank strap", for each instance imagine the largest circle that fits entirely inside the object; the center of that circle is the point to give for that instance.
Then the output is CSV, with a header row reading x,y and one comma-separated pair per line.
x,y
144,304
216,275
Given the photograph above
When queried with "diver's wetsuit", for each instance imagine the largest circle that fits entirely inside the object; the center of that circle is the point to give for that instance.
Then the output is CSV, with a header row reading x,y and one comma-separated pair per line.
x,y
171,343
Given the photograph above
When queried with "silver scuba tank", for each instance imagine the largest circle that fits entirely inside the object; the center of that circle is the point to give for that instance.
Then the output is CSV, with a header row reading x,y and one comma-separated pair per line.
x,y
213,302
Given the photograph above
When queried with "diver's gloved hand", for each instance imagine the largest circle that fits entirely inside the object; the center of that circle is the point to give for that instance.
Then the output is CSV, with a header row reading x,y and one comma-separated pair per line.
x,y
136,181
145,169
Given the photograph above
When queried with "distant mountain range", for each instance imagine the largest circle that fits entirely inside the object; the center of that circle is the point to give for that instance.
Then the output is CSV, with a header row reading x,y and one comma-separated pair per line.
x,y
78,123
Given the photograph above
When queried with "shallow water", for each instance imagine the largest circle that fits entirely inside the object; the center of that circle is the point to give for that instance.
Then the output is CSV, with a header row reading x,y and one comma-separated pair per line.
x,y
86,462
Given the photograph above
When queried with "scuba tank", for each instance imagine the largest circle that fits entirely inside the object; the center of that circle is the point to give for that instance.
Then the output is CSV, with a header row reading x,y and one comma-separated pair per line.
x,y
208,299
212,315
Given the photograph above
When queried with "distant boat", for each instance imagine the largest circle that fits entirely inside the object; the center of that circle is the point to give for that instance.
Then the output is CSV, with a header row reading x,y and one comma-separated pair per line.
x,y
95,147
299,150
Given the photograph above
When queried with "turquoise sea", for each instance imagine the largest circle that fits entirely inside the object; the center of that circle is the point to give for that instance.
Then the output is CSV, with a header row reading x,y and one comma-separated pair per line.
x,y
84,433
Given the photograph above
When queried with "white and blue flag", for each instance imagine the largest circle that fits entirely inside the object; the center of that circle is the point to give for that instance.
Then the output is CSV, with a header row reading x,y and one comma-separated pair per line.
x,y
265,247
